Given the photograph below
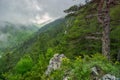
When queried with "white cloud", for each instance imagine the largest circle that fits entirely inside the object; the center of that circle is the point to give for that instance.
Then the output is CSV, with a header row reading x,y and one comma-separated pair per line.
x,y
25,11
41,19
36,5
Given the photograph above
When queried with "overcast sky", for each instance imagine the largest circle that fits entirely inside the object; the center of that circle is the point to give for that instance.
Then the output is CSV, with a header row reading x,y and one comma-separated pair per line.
x,y
36,11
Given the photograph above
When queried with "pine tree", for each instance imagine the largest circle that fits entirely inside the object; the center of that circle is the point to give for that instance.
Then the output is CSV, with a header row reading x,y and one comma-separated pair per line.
x,y
104,19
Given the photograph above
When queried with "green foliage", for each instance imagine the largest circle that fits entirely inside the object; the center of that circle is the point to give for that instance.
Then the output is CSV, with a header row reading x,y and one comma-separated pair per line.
x,y
77,69
38,70
24,65
67,36
115,13
9,76
49,53
80,68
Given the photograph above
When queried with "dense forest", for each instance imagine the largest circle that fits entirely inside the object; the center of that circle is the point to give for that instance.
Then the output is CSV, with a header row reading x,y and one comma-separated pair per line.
x,y
79,36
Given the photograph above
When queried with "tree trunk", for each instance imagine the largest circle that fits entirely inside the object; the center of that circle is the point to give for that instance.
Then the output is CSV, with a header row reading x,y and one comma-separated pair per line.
x,y
106,31
104,19
106,41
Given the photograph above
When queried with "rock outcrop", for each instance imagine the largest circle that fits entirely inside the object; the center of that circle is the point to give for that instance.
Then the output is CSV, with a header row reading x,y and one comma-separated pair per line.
x,y
54,63
108,77
97,74
95,71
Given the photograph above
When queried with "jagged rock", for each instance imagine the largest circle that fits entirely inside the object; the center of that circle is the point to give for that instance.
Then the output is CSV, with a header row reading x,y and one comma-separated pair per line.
x,y
66,78
108,77
54,63
95,71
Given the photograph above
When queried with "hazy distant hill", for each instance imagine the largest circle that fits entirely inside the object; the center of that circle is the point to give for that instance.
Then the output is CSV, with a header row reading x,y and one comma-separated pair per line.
x,y
13,34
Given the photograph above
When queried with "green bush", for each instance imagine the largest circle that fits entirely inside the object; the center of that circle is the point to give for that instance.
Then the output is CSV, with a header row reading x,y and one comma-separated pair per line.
x,y
80,68
11,76
24,65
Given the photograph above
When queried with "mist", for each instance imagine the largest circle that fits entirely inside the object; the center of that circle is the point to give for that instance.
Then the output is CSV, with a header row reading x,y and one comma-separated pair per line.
x,y
33,11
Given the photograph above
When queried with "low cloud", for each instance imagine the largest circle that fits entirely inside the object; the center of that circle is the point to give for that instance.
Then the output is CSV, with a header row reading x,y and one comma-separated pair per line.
x,y
4,37
37,11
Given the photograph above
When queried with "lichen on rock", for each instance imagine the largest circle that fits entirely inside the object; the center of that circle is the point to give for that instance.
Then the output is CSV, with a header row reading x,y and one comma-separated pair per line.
x,y
54,63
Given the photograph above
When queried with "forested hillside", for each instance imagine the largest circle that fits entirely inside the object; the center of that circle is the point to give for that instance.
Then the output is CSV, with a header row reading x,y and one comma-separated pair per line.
x,y
77,36
12,34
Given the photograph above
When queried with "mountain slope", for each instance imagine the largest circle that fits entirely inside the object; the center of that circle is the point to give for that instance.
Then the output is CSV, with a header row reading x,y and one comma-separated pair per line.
x,y
70,36
14,34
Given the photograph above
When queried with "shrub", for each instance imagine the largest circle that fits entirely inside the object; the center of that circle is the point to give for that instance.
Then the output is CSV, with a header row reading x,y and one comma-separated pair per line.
x,y
24,65
80,68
